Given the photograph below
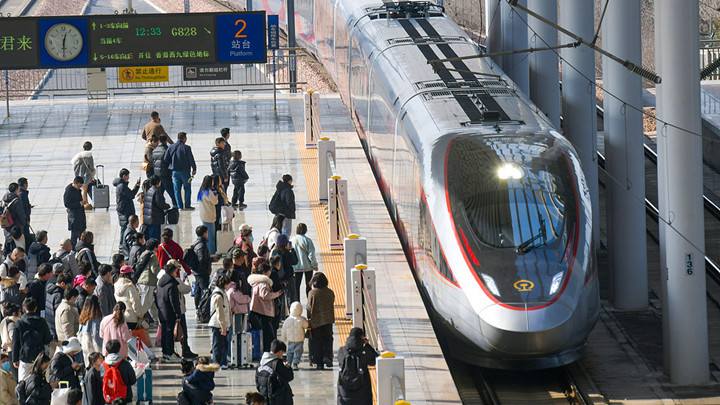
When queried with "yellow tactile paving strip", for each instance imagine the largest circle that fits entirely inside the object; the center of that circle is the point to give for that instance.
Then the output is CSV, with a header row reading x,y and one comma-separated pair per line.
x,y
332,260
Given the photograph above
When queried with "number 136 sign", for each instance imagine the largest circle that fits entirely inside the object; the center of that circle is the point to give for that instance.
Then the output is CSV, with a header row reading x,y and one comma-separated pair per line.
x,y
241,38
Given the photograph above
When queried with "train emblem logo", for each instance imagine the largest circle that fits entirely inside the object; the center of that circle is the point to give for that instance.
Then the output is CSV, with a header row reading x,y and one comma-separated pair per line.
x,y
524,285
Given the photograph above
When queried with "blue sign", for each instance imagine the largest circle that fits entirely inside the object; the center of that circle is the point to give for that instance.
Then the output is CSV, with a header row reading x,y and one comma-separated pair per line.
x,y
273,30
241,38
63,42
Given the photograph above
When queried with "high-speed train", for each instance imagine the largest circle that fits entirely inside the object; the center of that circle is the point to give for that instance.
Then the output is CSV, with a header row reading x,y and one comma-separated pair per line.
x,y
489,200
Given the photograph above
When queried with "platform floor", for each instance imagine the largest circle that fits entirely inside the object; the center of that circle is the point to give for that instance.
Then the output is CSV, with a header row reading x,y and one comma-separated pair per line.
x,y
40,139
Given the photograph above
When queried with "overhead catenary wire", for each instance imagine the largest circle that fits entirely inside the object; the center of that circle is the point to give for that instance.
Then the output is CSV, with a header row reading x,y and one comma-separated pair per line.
x,y
665,124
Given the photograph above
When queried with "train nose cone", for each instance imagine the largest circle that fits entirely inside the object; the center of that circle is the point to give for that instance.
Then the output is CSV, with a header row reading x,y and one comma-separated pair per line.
x,y
523,332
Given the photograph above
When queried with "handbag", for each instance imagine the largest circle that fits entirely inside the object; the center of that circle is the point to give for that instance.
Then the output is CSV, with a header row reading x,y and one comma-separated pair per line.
x,y
308,333
140,334
178,333
145,166
60,394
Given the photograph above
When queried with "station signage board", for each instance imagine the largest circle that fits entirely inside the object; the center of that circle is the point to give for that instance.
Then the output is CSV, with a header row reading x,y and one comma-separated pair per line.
x,y
143,74
273,31
133,40
206,72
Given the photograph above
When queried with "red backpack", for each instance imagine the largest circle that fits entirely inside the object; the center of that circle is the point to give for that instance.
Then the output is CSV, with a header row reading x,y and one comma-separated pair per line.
x,y
113,385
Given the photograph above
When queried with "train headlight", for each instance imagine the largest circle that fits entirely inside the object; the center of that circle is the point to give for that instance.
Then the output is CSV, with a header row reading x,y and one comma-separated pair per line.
x,y
556,280
490,284
509,171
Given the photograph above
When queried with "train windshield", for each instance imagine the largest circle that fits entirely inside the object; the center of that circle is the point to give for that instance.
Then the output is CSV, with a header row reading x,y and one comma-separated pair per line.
x,y
510,192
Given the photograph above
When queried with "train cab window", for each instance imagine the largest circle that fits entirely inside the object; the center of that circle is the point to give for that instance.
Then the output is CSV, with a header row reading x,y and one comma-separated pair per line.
x,y
510,193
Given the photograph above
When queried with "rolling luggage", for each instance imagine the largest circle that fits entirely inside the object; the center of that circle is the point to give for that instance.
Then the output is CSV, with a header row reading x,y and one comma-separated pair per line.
x,y
144,387
241,350
101,192
225,239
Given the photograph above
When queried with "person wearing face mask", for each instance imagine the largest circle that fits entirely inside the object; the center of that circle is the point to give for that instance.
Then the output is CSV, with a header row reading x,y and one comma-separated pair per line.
x,y
245,242
7,382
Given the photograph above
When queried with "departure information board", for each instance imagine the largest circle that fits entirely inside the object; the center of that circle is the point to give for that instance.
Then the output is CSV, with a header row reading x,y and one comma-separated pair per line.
x,y
19,43
150,40
133,40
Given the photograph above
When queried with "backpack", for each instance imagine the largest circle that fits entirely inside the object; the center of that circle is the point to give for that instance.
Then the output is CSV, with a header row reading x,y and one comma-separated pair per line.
x,y
351,373
59,260
139,267
190,258
276,204
268,382
31,345
203,310
182,399
6,219
113,384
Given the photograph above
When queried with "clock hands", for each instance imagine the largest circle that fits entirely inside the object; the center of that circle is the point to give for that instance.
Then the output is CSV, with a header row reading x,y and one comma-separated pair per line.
x,y
63,44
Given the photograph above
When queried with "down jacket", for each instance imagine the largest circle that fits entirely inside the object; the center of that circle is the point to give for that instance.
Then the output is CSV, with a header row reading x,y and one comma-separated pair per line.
x,y
283,201
218,163
220,310
262,295
238,301
84,165
159,165
293,329
73,201
124,196
67,320
154,207
168,299
16,209
128,293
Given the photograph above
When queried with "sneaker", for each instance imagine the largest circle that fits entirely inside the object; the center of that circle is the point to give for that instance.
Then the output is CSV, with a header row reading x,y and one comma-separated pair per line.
x,y
241,206
223,367
235,204
295,367
171,359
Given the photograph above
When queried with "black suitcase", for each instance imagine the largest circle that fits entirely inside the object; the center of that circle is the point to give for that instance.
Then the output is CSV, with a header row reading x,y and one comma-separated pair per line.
x,y
101,192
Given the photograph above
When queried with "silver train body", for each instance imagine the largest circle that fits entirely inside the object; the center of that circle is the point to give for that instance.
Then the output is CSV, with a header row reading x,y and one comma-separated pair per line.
x,y
489,200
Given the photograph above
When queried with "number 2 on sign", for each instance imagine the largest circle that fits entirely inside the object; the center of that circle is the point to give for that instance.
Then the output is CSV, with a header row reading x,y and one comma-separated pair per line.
x,y
239,33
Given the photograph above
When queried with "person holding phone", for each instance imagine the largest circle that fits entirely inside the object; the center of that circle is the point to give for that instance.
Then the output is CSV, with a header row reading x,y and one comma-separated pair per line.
x,y
124,196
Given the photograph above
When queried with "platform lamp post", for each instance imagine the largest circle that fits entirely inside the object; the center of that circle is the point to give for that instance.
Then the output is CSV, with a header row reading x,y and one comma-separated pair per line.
x,y
292,43
680,188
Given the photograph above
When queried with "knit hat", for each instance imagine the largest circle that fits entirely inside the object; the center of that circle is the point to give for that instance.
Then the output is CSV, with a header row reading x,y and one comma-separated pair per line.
x,y
126,269
72,346
243,227
282,240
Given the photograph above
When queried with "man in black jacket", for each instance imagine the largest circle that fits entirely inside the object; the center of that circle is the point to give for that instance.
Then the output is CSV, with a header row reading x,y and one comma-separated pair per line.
x,y
37,286
38,253
75,209
219,163
355,388
204,267
13,201
53,298
283,202
168,302
180,161
161,167
154,208
124,196
273,377
31,336
105,289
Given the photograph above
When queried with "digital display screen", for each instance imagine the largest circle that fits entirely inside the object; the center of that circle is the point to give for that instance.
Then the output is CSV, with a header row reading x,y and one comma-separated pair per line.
x,y
140,40
19,44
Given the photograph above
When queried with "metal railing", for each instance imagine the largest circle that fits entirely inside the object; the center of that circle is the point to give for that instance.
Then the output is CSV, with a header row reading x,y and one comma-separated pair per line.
x,y
271,76
708,55
313,129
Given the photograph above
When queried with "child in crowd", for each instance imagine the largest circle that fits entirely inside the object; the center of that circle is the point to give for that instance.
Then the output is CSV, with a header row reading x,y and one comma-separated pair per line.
x,y
93,381
7,326
239,177
198,383
118,375
293,332
85,270
254,398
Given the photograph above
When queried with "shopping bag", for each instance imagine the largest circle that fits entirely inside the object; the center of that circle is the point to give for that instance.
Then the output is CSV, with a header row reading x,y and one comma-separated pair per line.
x,y
226,214
179,333
60,394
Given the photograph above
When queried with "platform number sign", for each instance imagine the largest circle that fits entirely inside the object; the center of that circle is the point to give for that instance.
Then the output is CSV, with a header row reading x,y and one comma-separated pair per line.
x,y
689,264
241,38
273,30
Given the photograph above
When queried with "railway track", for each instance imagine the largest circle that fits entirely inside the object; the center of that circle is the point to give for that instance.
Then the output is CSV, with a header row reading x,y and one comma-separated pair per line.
x,y
481,386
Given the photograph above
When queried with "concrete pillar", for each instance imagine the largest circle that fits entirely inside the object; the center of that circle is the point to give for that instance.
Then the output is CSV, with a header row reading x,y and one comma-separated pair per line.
x,y
292,43
354,253
364,296
625,160
514,37
544,75
325,146
680,169
493,28
390,379
337,211
578,96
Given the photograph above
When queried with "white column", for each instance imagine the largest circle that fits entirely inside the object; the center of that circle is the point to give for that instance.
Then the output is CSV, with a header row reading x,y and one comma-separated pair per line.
x,y
354,253
680,204
578,96
544,74
493,28
387,369
514,37
625,161
325,146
